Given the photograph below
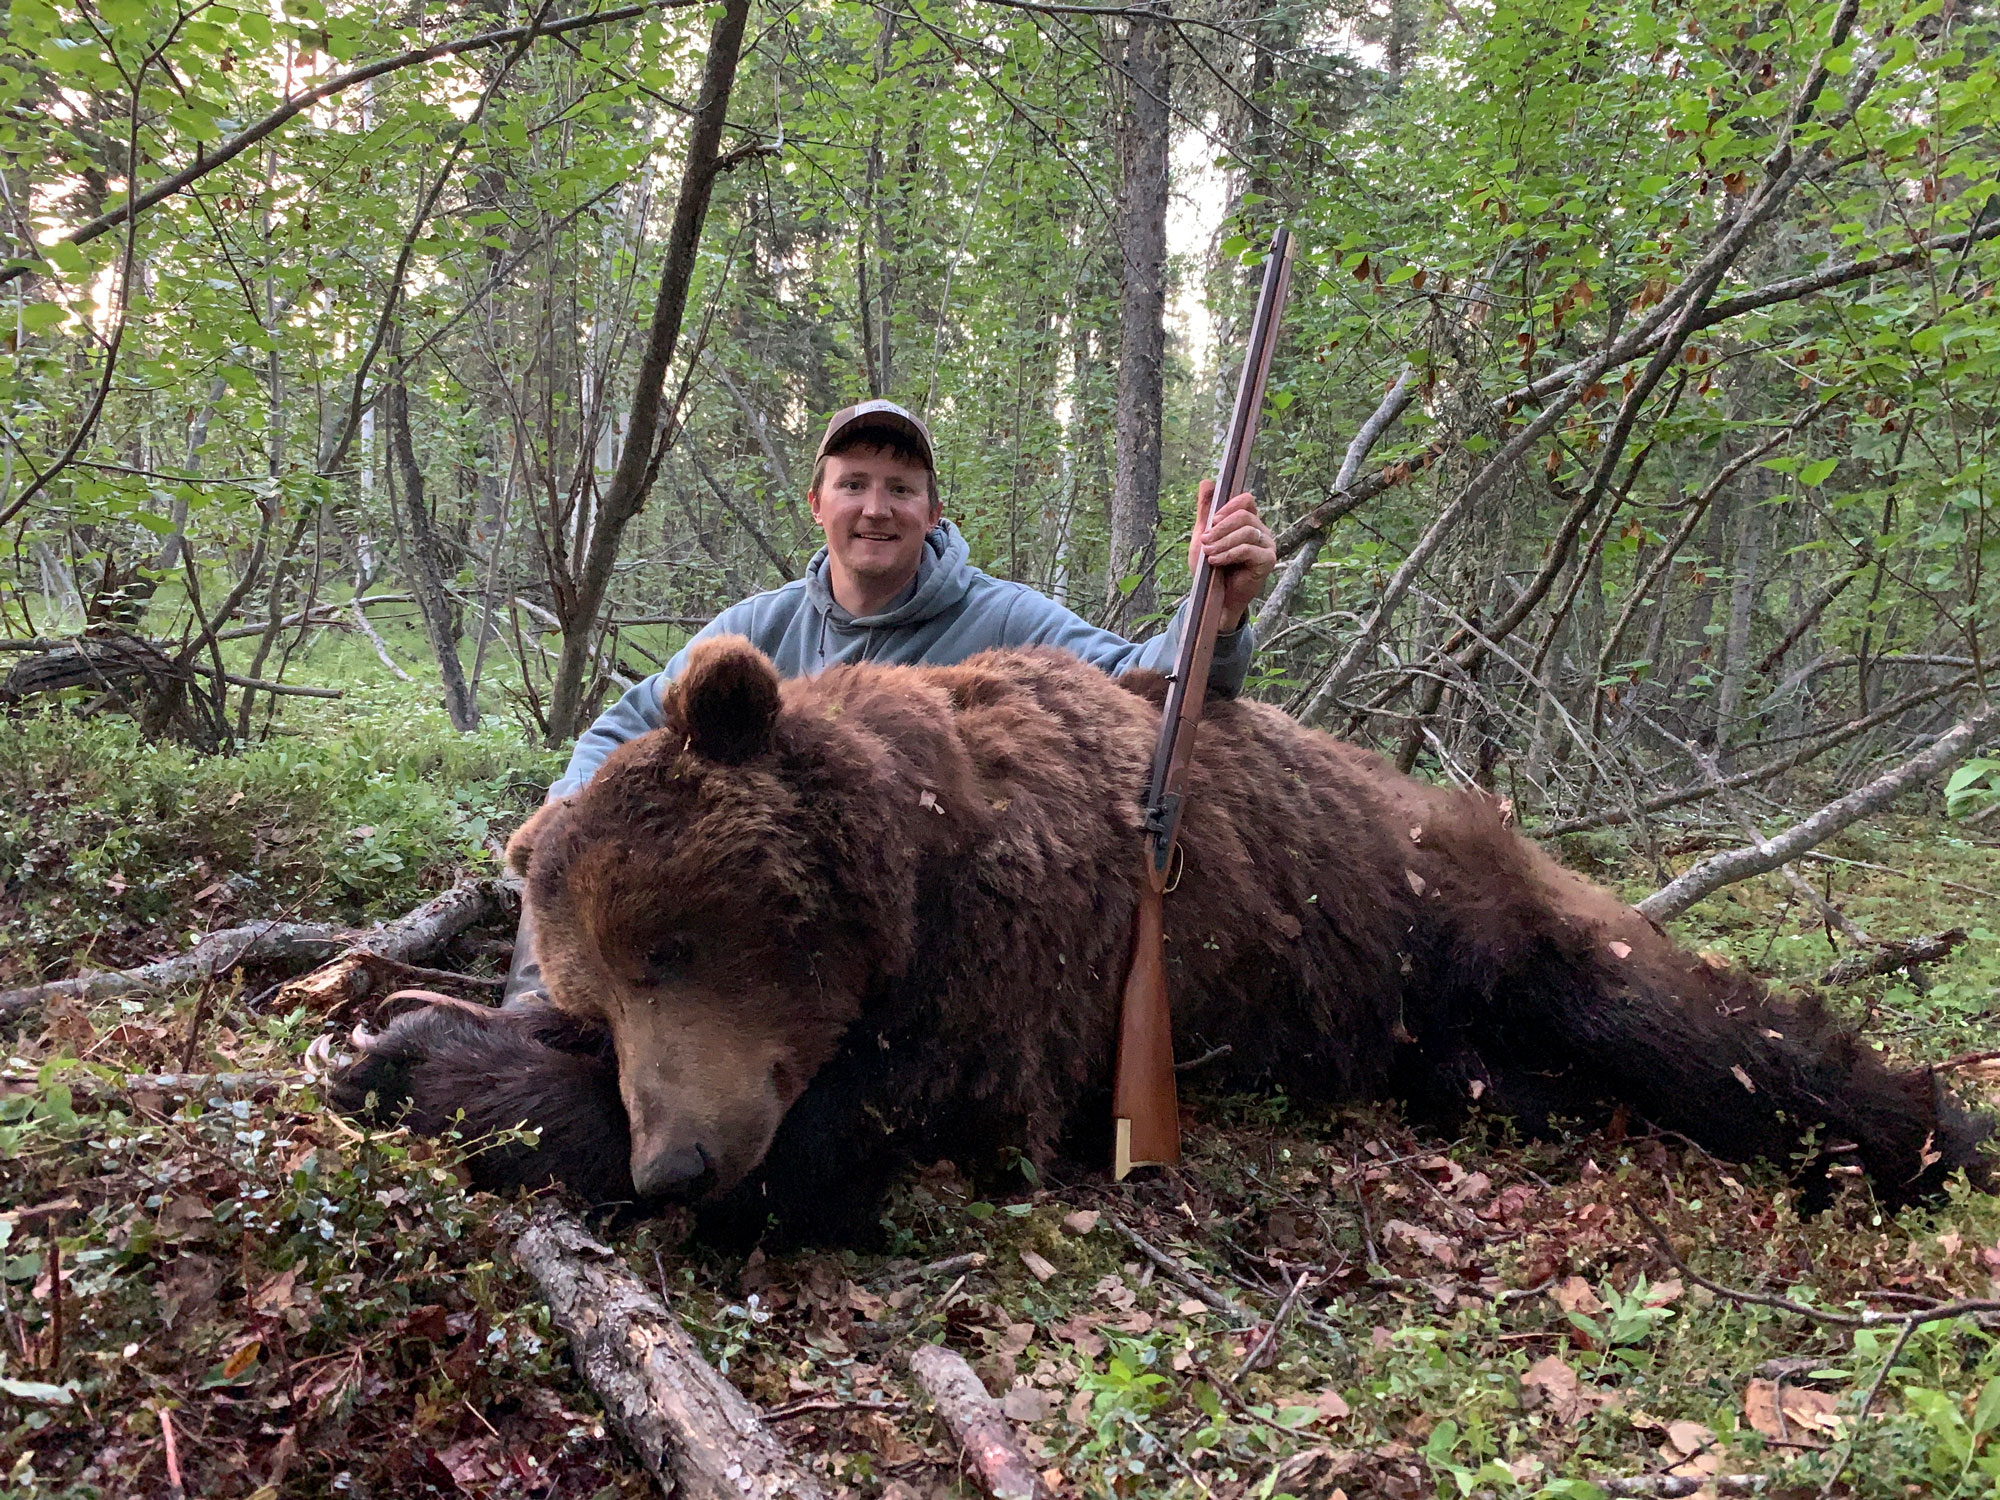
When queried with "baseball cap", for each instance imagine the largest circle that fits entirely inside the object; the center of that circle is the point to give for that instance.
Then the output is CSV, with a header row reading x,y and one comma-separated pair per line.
x,y
878,414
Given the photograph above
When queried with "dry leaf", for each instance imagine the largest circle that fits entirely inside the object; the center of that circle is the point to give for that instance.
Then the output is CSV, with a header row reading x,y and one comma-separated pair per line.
x,y
242,1359
1082,1221
865,1302
1661,1293
1428,1241
1416,881
1573,1295
1330,1405
1621,950
1809,1414
1689,1438
929,799
1736,1069
1038,1266
1555,1385
1026,1404
1191,1308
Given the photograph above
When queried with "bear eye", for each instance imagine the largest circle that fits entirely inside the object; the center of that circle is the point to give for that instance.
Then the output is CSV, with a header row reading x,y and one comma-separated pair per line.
x,y
668,960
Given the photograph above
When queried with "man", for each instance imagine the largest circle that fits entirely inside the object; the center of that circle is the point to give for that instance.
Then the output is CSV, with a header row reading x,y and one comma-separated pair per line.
x,y
894,584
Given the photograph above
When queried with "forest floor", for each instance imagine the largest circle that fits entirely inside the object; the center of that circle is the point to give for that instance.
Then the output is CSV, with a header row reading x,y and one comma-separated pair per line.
x,y
256,1298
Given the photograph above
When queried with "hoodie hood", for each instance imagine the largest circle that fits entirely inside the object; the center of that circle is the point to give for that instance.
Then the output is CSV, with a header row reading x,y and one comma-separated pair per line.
x,y
944,574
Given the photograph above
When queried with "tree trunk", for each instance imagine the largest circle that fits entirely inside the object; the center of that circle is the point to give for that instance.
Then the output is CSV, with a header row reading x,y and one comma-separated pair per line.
x,y
1145,68
639,462
425,560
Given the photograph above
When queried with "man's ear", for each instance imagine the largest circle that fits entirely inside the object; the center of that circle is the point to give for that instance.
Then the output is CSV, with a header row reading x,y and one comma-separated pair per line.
x,y
521,847
725,702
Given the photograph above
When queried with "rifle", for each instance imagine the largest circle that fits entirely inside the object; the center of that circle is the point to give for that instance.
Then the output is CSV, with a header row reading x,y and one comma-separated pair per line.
x,y
1145,1108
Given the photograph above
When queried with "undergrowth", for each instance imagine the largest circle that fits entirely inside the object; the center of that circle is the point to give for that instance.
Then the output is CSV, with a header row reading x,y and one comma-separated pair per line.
x,y
318,1310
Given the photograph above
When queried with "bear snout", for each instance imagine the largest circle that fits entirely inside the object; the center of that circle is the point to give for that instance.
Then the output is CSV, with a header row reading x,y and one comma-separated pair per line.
x,y
676,1174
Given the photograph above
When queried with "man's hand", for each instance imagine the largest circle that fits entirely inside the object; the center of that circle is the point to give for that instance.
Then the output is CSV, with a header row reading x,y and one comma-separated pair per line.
x,y
1239,546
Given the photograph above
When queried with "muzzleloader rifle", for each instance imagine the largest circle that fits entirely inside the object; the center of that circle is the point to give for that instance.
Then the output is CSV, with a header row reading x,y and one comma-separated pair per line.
x,y
1144,1106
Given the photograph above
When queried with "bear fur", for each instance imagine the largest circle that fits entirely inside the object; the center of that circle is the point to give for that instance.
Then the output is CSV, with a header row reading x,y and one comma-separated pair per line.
x,y
813,931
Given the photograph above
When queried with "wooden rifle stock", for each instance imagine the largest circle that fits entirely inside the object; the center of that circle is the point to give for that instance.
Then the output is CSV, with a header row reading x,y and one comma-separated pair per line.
x,y
1145,1108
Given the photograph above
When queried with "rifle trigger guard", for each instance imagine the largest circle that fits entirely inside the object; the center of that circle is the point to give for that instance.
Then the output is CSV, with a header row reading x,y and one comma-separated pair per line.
x,y
1179,858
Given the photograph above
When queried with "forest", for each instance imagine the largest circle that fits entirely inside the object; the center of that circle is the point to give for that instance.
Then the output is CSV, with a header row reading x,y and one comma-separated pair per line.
x,y
385,389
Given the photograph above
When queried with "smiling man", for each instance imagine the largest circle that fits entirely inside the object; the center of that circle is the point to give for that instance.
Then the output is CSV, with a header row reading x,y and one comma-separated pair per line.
x,y
894,583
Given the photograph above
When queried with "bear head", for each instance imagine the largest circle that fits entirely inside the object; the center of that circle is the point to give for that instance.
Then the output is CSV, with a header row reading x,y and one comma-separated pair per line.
x,y
700,897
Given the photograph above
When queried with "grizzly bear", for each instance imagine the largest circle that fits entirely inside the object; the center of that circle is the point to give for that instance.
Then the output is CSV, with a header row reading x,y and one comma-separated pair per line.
x,y
815,930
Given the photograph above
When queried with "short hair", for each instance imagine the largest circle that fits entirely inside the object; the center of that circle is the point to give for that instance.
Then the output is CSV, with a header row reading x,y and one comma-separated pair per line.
x,y
897,443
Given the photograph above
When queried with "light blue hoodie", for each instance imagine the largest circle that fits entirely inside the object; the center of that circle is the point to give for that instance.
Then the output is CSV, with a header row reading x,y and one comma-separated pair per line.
x,y
952,611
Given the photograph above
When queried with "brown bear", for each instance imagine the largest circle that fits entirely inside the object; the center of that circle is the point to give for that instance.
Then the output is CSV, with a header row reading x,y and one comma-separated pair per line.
x,y
815,930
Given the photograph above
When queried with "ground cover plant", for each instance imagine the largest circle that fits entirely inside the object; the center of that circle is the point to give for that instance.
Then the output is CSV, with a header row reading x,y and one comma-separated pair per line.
x,y
313,1309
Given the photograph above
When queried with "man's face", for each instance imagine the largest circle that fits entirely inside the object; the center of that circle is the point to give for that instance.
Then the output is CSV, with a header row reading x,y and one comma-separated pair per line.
x,y
876,510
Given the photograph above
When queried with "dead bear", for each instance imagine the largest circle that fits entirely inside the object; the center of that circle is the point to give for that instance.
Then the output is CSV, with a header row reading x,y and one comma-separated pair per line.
x,y
816,930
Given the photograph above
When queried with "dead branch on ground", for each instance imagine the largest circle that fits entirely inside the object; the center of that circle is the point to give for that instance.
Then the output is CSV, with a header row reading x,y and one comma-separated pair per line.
x,y
416,935
1740,864
977,1424
693,1430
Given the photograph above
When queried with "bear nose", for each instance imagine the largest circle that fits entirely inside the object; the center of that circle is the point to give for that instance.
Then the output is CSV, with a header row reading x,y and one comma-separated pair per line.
x,y
680,1172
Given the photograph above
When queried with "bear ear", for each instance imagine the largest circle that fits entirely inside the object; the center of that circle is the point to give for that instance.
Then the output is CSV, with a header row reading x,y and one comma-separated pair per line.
x,y
521,847
726,701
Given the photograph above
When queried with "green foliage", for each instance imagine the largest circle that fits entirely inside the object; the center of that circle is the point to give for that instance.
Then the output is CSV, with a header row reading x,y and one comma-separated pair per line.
x,y
108,843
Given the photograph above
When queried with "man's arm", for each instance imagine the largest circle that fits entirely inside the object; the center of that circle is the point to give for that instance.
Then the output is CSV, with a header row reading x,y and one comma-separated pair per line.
x,y
637,713
1039,621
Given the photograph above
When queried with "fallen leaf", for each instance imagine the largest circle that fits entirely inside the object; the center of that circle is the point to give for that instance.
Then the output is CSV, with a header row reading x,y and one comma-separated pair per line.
x,y
1949,1241
1416,833
1689,1438
1809,1414
1621,950
1573,1295
1330,1405
1736,1070
1192,1308
1661,1293
1026,1404
242,1359
882,1435
929,799
1416,881
1082,1221
1428,1241
1554,1385
866,1303
1038,1266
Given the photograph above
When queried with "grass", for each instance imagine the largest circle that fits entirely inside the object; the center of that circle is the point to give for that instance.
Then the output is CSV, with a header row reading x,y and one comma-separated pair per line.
x,y
322,1311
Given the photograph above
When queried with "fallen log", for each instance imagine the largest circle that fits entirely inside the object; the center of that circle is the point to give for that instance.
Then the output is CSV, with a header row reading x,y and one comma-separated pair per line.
x,y
332,990
1890,954
997,1461
414,936
694,1431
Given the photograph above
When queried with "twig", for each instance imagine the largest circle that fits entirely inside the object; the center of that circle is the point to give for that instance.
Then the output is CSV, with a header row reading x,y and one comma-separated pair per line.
x,y
977,1424
173,1451
1867,1318
1266,1346
1893,954
1207,1057
807,1404
1673,1486
1867,1405
1180,1272
54,1363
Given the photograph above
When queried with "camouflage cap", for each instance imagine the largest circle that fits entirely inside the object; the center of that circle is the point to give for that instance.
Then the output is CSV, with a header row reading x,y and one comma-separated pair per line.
x,y
877,414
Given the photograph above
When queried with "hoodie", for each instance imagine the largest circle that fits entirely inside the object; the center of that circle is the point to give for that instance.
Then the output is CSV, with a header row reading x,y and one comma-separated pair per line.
x,y
951,611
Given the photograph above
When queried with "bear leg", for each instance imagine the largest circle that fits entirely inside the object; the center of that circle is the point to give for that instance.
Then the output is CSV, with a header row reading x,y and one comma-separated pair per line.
x,y
484,1072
